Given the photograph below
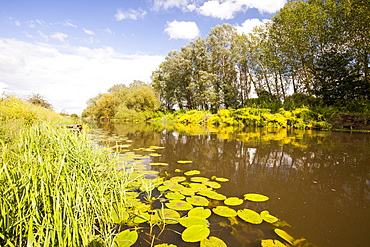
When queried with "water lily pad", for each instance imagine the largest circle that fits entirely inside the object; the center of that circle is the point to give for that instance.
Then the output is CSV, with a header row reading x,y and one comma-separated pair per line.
x,y
250,216
169,216
184,161
179,205
284,235
178,170
126,238
222,179
174,195
266,216
158,164
212,195
178,179
163,188
200,212
195,233
192,172
189,191
255,197
193,220
143,217
197,201
156,147
155,155
272,243
212,184
233,201
224,211
199,179
165,245
198,186
175,186
212,242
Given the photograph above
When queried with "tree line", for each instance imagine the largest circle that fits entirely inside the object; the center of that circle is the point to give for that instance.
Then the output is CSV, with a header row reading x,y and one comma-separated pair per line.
x,y
314,49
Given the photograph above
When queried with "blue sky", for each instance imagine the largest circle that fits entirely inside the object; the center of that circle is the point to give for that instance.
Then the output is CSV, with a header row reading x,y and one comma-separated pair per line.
x,y
71,50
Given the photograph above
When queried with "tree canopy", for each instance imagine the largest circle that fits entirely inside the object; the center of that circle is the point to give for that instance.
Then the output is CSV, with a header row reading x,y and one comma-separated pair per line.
x,y
316,48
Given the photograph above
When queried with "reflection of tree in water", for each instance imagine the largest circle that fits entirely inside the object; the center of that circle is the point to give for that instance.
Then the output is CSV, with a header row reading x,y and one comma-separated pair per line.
x,y
316,180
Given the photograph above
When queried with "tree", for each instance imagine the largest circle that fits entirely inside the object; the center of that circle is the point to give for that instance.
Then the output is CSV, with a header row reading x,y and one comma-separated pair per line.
x,y
37,99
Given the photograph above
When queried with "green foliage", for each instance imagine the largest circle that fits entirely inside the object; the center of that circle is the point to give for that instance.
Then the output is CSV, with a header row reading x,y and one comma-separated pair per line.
x,y
39,100
137,102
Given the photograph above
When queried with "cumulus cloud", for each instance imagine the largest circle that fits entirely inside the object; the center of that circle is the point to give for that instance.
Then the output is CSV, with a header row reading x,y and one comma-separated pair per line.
x,y
182,30
167,4
67,76
222,9
247,26
89,32
59,36
129,14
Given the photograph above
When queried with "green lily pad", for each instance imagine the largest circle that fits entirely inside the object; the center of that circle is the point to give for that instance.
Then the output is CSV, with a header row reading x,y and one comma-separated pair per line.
x,y
212,242
212,184
212,195
189,191
192,172
158,164
155,155
272,243
198,186
255,197
178,179
156,147
199,179
197,201
174,195
250,216
266,216
184,161
179,205
163,188
178,170
165,245
222,179
200,212
126,238
224,211
193,220
195,233
169,216
284,235
143,217
233,201
175,186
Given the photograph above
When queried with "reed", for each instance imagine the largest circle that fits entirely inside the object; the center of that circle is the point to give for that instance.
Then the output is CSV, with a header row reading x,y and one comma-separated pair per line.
x,y
56,189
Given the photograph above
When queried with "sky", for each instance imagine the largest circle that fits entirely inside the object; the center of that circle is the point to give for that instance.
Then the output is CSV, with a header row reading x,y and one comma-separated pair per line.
x,y
69,51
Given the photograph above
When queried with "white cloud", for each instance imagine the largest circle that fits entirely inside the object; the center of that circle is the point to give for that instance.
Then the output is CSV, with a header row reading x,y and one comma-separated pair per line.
x,y
182,30
265,6
167,4
249,24
59,36
222,10
42,34
108,30
17,23
129,14
89,32
69,24
68,76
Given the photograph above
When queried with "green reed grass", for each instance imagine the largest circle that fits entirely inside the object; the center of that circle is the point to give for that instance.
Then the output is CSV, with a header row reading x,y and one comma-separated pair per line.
x,y
56,189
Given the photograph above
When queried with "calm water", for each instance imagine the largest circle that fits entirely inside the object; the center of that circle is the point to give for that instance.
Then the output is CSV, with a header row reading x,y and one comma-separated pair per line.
x,y
318,182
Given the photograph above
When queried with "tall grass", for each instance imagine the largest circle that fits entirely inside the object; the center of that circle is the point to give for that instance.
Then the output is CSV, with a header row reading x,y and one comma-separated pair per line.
x,y
56,188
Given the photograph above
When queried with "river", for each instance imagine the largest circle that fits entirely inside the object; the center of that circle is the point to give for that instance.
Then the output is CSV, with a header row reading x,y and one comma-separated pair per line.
x,y
317,181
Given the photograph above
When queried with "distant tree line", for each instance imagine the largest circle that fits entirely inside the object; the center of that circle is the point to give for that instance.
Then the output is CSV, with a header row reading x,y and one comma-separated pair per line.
x,y
134,102
314,49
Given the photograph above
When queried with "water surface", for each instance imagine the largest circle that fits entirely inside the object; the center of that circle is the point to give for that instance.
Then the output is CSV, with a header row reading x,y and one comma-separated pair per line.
x,y
318,182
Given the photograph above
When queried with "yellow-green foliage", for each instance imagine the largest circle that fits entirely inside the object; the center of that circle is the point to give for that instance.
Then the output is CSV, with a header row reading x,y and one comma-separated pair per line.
x,y
15,114
298,118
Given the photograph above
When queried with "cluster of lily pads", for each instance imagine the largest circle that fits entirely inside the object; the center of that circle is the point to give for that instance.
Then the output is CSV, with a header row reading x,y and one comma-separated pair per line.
x,y
188,200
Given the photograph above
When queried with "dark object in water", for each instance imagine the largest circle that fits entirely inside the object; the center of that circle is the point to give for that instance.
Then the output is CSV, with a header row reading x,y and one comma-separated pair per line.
x,y
74,127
